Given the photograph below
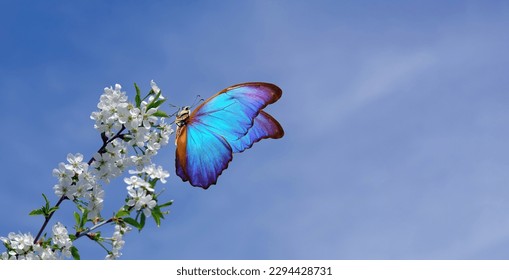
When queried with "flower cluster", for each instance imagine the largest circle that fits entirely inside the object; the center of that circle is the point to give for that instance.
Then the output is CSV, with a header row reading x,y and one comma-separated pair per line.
x,y
61,240
141,195
117,242
21,246
107,119
145,131
111,161
75,181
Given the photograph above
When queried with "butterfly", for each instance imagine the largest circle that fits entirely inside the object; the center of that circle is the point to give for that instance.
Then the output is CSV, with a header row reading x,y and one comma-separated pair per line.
x,y
230,121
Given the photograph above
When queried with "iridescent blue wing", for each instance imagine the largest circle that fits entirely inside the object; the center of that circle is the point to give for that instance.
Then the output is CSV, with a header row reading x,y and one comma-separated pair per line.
x,y
264,126
201,156
220,126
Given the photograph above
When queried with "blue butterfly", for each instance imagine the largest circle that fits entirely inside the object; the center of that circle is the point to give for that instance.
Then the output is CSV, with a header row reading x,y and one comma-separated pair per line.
x,y
230,121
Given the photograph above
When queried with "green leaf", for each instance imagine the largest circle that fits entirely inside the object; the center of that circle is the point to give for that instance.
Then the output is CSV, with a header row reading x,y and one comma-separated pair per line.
x,y
122,213
166,204
138,97
160,114
72,237
80,207
142,220
46,199
157,215
132,222
153,182
36,212
77,218
155,103
157,219
84,218
46,210
52,209
74,252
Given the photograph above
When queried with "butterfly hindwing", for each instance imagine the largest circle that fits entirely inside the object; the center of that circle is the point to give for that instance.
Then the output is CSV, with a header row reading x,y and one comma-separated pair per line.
x,y
264,126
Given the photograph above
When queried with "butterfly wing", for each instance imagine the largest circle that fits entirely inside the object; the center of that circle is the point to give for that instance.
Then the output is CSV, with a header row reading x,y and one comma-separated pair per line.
x,y
220,126
264,126
201,156
231,112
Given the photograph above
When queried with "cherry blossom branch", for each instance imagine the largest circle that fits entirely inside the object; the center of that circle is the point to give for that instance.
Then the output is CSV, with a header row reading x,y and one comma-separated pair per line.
x,y
139,125
101,150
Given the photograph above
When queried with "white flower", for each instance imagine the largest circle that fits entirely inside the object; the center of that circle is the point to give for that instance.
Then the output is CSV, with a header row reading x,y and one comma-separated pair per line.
x,y
124,112
135,182
165,131
20,244
141,161
70,177
76,163
5,256
107,119
149,203
154,87
113,162
101,166
81,190
111,98
141,200
96,199
139,135
47,254
147,115
68,190
61,236
131,116
154,173
117,242
63,174
86,181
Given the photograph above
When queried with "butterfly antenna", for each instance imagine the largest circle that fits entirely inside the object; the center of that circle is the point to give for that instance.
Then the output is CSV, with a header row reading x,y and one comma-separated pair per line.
x,y
171,105
176,112
197,100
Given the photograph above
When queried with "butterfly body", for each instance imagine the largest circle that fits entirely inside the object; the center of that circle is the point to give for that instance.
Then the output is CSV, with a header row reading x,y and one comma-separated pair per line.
x,y
230,121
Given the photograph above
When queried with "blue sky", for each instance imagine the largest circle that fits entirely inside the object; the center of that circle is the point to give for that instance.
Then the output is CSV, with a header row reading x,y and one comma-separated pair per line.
x,y
395,115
